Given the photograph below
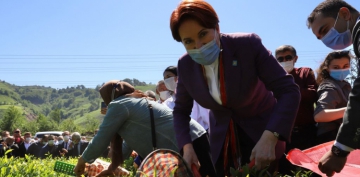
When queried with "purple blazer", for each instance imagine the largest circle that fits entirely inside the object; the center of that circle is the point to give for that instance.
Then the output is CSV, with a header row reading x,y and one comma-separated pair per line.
x,y
260,94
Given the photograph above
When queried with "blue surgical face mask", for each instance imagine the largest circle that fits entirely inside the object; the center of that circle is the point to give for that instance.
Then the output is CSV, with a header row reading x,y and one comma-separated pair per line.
x,y
339,74
335,40
206,54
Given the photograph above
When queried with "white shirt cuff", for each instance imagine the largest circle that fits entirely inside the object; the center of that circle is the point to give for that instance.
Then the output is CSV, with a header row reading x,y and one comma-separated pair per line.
x,y
343,147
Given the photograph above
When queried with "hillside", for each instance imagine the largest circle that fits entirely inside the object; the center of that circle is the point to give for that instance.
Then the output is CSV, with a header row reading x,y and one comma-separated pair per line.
x,y
76,103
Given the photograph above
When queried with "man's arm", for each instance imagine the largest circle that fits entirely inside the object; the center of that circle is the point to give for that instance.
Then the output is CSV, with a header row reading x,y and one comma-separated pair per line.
x,y
349,132
348,136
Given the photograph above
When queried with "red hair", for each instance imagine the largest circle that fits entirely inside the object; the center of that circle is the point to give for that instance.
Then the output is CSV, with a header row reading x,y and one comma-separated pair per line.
x,y
197,10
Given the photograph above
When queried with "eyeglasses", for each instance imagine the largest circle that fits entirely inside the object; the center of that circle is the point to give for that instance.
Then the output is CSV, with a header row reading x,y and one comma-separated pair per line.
x,y
17,132
286,58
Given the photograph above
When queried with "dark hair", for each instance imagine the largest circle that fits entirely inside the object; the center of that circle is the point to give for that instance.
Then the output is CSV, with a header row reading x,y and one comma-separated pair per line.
x,y
322,72
285,48
172,69
197,10
329,8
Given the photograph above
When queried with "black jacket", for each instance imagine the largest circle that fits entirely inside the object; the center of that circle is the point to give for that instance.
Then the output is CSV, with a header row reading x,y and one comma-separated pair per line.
x,y
72,152
349,132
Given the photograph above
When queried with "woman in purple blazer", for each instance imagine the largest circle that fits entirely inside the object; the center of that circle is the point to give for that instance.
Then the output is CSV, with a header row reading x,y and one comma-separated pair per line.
x,y
252,101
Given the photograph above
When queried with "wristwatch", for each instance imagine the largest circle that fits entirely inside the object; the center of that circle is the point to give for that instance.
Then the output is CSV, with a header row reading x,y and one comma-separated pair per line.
x,y
339,152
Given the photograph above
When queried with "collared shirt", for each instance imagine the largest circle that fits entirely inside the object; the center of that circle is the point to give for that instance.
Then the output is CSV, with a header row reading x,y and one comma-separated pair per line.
x,y
66,144
201,115
170,102
212,77
332,94
27,144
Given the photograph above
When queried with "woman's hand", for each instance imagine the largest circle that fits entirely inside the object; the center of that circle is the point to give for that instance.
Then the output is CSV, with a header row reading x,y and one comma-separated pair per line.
x,y
106,173
264,150
80,167
190,155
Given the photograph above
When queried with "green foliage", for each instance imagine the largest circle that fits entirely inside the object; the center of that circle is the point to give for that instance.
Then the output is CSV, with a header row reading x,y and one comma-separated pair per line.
x,y
45,108
68,124
46,124
13,119
91,124
55,115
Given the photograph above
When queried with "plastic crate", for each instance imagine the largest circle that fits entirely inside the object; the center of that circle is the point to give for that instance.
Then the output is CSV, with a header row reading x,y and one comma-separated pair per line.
x,y
63,167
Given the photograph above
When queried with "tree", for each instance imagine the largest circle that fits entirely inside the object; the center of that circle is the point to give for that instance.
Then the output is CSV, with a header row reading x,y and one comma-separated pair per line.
x,y
55,115
68,124
46,124
13,119
91,123
31,126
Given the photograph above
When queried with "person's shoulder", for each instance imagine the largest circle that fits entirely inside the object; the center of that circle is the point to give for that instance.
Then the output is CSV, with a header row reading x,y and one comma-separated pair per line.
x,y
327,84
239,36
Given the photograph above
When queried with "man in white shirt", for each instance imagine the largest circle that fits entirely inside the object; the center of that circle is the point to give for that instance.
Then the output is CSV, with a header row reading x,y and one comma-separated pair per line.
x,y
25,144
63,147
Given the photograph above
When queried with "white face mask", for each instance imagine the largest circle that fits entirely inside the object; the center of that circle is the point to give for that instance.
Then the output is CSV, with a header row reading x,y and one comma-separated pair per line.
x,y
66,138
164,95
51,142
4,138
170,83
28,139
288,65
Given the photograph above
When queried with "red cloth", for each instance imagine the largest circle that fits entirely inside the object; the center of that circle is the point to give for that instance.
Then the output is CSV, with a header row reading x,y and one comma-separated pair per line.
x,y
309,159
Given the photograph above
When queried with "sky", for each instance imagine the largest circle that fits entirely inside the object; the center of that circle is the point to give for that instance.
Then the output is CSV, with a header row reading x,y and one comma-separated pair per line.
x,y
88,42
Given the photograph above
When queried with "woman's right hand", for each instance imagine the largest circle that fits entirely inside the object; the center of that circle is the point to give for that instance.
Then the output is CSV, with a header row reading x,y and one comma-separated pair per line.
x,y
106,173
190,155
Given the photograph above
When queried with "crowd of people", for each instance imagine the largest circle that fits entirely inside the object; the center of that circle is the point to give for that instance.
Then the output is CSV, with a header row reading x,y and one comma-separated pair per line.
x,y
229,101
66,145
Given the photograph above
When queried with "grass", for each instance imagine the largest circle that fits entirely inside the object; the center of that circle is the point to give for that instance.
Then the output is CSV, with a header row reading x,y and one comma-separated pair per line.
x,y
6,99
145,88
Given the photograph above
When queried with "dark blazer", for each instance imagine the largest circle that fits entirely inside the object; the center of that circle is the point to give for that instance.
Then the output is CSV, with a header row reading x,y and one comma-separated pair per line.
x,y
62,145
349,132
14,153
34,149
260,94
22,149
83,145
49,150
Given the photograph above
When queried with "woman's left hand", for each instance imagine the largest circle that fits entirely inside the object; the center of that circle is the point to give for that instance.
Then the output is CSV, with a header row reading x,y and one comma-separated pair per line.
x,y
264,150
80,167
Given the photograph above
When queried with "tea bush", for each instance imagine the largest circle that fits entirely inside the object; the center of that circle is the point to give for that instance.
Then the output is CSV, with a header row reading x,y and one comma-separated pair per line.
x,y
33,167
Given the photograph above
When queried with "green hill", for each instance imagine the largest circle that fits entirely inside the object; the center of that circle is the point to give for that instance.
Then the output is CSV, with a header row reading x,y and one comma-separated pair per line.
x,y
77,103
